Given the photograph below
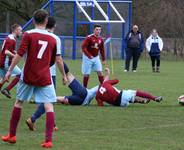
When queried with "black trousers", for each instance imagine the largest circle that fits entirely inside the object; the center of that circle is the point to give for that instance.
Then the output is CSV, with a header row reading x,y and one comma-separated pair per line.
x,y
155,60
132,53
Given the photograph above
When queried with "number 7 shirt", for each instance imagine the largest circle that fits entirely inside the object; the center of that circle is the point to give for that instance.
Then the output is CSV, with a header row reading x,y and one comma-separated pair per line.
x,y
41,48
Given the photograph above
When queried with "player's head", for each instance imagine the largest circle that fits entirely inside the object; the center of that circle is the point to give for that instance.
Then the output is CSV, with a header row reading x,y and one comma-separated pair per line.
x,y
97,29
135,28
16,29
154,32
40,17
51,24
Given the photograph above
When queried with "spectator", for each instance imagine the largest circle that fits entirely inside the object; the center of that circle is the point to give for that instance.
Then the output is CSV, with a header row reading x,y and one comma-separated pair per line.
x,y
135,45
154,46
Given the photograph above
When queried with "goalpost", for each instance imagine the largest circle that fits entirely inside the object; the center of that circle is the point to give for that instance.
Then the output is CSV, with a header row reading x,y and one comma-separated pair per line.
x,y
75,20
81,4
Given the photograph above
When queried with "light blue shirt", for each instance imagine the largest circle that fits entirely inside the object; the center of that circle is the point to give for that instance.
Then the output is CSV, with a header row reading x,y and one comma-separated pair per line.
x,y
91,93
53,70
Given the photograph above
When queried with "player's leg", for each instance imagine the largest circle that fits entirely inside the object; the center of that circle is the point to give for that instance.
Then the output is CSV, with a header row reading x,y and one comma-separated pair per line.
x,y
50,119
37,114
149,96
136,56
158,63
40,108
128,59
141,100
86,69
2,74
16,72
47,96
127,97
6,90
24,92
15,117
153,63
97,66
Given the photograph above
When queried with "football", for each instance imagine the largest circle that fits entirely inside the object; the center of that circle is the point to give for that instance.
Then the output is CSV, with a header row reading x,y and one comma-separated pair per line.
x,y
181,100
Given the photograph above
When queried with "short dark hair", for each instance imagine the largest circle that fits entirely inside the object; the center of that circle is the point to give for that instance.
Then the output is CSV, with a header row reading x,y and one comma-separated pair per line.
x,y
97,25
51,23
14,27
40,15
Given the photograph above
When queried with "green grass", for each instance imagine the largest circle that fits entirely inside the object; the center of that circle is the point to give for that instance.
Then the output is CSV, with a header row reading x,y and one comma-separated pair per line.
x,y
156,126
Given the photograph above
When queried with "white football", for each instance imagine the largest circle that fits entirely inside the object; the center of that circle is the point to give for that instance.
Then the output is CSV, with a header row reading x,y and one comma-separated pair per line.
x,y
181,100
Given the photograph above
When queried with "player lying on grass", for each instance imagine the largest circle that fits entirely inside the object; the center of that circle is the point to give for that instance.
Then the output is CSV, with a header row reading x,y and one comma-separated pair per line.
x,y
80,96
109,94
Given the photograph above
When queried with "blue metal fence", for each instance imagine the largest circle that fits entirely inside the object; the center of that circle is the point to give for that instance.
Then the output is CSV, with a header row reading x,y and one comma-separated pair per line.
x,y
76,22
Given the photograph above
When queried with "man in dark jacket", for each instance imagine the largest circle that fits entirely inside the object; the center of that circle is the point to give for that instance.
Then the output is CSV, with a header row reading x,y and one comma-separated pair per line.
x,y
135,45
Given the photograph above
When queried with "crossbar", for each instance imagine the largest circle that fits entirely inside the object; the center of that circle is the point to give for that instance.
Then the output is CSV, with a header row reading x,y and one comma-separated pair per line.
x,y
107,20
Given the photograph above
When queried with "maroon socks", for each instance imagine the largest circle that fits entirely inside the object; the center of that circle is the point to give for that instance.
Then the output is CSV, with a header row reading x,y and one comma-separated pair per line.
x,y
49,126
15,117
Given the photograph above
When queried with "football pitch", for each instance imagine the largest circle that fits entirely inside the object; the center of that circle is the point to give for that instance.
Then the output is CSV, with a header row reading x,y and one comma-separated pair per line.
x,y
154,126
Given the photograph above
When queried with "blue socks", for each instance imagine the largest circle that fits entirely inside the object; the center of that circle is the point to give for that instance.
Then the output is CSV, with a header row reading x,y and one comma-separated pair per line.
x,y
40,111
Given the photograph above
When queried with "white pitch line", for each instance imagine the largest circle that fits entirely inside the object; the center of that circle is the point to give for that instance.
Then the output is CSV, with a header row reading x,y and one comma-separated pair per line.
x,y
130,129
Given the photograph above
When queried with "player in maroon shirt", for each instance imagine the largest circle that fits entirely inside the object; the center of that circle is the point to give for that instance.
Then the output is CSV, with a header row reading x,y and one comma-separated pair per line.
x,y
42,50
108,93
6,56
92,45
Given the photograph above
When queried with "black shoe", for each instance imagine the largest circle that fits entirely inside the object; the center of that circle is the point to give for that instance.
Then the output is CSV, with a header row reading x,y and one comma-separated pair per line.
x,y
153,69
158,99
158,70
6,93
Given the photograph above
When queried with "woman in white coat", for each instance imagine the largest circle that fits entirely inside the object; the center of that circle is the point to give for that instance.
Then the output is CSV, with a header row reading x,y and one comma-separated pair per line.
x,y
154,46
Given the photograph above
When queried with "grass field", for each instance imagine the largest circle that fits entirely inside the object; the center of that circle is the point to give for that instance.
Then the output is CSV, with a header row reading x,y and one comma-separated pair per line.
x,y
156,126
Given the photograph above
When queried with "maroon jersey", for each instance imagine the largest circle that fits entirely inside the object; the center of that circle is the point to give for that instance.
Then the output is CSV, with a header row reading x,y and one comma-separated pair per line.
x,y
40,47
92,45
8,44
107,93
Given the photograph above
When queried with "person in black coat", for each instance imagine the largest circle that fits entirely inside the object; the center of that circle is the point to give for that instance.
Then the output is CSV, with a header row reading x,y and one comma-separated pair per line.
x,y
135,46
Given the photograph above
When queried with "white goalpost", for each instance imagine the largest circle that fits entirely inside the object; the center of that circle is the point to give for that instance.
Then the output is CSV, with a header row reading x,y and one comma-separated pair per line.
x,y
107,20
94,3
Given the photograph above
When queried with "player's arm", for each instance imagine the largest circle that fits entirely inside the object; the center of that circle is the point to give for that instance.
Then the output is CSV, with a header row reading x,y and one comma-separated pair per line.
x,y
21,51
113,82
15,61
99,102
102,52
9,53
7,46
85,46
60,65
107,74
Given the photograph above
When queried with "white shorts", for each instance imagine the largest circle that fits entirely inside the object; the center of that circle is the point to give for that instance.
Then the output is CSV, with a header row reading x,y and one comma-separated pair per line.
x,y
16,71
45,94
127,97
89,65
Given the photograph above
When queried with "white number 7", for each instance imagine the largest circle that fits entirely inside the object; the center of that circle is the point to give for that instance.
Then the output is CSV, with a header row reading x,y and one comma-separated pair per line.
x,y
42,49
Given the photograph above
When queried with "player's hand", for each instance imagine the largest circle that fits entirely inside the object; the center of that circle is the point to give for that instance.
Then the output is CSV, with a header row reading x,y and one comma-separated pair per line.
x,y
7,76
107,70
104,63
91,57
65,80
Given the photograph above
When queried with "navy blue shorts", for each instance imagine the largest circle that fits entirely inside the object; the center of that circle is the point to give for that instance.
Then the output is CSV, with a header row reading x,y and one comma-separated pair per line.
x,y
79,93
